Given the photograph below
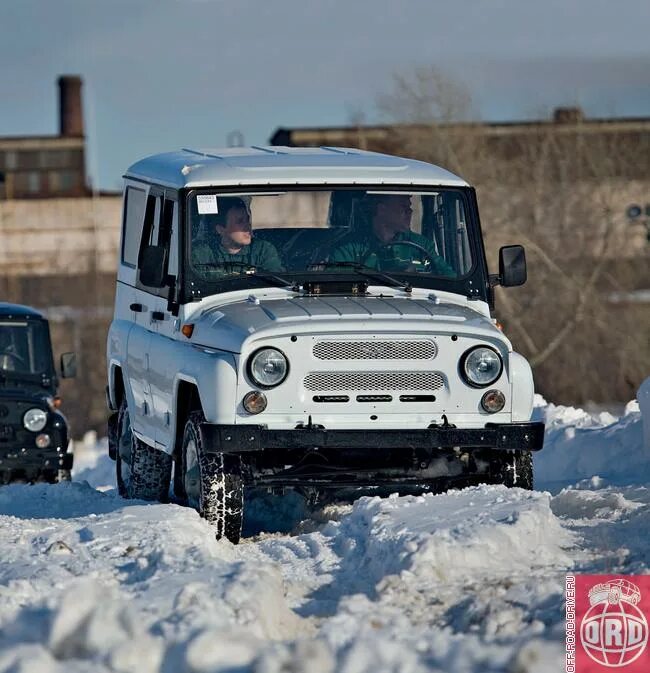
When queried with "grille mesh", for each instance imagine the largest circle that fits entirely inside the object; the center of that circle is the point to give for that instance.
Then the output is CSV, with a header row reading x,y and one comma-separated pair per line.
x,y
374,381
422,349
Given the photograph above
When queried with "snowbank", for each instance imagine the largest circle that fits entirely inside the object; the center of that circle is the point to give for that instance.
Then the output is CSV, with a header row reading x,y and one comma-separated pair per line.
x,y
643,396
92,464
581,445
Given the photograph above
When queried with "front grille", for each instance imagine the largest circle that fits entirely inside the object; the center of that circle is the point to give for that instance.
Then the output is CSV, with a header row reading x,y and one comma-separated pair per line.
x,y
374,381
417,398
421,349
331,398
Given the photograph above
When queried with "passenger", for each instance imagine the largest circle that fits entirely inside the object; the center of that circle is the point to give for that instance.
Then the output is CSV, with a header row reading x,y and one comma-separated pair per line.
x,y
235,247
389,244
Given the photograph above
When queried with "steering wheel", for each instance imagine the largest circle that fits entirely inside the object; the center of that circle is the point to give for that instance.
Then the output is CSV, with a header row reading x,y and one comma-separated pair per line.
x,y
417,246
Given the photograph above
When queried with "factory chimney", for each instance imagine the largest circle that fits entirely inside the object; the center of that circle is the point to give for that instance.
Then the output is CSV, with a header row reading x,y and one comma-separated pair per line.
x,y
71,121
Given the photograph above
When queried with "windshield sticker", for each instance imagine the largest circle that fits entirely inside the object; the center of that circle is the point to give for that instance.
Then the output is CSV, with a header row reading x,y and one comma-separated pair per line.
x,y
207,204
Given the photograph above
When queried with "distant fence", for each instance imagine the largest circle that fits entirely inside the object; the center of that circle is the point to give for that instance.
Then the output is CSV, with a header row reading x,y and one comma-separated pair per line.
x,y
54,236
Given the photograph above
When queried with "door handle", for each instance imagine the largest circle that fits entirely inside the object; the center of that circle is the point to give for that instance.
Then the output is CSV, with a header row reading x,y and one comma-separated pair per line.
x,y
138,308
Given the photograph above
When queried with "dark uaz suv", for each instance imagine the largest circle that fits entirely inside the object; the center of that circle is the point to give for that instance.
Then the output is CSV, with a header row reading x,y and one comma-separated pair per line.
x,y
33,432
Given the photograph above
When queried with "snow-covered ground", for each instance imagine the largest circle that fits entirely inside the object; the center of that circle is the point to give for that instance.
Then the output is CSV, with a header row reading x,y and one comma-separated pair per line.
x,y
466,581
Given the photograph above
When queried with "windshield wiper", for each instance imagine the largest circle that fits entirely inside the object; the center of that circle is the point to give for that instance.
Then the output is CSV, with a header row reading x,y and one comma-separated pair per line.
x,y
369,272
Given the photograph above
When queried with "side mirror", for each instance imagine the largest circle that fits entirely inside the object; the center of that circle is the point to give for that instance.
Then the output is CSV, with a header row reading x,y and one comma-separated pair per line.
x,y
68,365
512,265
152,266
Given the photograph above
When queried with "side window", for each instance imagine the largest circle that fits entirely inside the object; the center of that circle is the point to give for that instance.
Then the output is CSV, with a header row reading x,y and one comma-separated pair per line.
x,y
151,225
444,222
158,230
462,237
170,220
150,230
134,207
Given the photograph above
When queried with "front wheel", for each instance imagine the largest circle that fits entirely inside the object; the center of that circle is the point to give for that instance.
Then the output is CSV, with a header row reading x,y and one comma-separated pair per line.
x,y
212,482
515,468
63,475
143,473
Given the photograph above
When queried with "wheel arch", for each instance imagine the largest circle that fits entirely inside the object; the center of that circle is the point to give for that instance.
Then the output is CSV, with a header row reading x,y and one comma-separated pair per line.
x,y
117,390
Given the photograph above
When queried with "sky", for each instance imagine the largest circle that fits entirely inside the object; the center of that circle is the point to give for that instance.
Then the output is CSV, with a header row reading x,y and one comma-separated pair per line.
x,y
164,74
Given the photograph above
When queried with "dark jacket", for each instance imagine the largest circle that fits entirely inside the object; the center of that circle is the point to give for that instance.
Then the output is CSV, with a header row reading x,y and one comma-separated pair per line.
x,y
369,251
215,260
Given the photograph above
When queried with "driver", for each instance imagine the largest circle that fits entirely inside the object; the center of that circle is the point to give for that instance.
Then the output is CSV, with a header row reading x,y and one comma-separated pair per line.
x,y
9,359
380,247
235,248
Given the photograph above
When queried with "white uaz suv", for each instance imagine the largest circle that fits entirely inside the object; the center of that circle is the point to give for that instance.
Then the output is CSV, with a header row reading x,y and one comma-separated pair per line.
x,y
310,318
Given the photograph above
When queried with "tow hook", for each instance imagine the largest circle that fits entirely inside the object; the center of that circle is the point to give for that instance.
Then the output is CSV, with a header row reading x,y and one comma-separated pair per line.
x,y
309,425
444,425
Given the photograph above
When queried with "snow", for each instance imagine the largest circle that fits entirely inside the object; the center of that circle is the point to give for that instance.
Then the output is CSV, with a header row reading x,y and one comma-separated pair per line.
x,y
579,445
643,397
467,581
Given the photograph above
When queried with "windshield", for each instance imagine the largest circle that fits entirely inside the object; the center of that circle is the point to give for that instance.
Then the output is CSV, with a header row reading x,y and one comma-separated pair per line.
x,y
292,235
24,348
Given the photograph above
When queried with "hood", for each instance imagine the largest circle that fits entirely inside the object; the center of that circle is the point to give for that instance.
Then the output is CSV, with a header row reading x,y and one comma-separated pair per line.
x,y
30,394
227,327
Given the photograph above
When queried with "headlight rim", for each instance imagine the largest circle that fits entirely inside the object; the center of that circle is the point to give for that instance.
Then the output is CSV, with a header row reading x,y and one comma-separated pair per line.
x,y
45,421
249,368
463,373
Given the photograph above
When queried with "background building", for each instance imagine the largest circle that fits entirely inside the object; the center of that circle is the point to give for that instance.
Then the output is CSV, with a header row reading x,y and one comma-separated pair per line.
x,y
568,130
48,166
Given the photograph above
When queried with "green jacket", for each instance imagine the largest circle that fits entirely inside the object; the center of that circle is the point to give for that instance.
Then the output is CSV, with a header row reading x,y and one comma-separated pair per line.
x,y
215,260
371,252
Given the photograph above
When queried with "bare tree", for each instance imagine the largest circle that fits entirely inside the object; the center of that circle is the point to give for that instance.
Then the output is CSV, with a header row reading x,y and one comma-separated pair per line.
x,y
426,96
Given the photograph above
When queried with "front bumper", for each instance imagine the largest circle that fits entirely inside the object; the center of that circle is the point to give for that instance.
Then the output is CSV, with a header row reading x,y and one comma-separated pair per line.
x,y
32,464
21,459
258,438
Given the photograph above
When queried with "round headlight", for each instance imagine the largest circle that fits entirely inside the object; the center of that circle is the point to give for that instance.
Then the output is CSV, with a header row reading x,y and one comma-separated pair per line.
x,y
481,366
268,367
35,419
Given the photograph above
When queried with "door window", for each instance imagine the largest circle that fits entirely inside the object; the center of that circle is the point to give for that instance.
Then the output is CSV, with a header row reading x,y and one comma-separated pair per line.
x,y
134,207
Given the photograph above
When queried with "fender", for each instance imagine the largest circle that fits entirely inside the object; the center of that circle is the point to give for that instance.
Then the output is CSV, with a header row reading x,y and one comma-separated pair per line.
x,y
216,383
522,387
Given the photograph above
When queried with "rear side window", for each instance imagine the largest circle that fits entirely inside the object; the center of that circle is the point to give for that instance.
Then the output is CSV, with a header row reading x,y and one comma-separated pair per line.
x,y
134,207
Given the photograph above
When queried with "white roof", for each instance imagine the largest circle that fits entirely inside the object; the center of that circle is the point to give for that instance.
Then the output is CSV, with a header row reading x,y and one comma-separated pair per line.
x,y
287,165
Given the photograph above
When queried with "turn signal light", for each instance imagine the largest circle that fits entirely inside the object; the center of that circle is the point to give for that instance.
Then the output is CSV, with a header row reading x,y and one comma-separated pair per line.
x,y
188,330
43,441
254,402
493,401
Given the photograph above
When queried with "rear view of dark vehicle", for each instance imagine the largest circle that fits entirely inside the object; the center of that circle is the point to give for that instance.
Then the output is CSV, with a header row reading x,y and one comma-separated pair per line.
x,y
33,433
